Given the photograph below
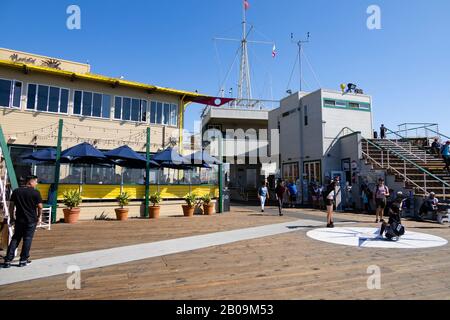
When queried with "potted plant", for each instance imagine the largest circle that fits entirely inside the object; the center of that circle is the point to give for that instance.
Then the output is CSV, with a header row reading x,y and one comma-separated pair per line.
x,y
208,206
71,199
189,207
122,213
153,210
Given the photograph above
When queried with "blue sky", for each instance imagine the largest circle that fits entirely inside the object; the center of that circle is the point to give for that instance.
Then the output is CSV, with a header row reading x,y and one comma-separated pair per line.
x,y
405,66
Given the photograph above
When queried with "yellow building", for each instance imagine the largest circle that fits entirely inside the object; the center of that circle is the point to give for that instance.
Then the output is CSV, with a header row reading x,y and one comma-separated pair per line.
x,y
37,91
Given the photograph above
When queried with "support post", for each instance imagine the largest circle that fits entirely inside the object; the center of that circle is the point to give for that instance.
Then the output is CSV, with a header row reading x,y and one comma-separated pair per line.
x,y
147,174
57,170
221,174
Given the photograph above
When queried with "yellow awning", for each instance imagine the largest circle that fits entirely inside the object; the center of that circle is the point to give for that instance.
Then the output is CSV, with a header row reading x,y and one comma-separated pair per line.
x,y
188,96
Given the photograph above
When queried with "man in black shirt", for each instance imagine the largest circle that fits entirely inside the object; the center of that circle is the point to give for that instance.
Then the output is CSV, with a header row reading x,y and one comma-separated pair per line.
x,y
28,204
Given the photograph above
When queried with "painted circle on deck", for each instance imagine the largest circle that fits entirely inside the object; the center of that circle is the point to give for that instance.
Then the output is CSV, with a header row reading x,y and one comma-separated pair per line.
x,y
368,238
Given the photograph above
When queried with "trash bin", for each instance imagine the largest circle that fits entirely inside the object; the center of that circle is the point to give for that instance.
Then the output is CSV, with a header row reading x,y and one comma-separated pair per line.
x,y
226,200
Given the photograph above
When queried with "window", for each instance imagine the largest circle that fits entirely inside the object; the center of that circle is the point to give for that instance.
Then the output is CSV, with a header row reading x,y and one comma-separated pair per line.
x,y
173,115
163,113
290,172
91,104
341,104
153,112
306,115
312,171
330,102
159,112
130,109
353,105
47,99
10,93
166,113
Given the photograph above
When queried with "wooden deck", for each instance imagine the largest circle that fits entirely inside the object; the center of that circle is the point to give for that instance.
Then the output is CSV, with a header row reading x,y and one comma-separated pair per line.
x,y
288,266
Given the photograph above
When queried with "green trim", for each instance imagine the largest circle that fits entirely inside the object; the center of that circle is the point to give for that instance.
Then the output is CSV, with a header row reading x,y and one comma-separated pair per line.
x,y
147,175
347,105
57,170
8,161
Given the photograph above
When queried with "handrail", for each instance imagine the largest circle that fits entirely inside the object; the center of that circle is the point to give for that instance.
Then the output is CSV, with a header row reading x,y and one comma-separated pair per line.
x,y
423,170
339,136
398,172
404,149
440,134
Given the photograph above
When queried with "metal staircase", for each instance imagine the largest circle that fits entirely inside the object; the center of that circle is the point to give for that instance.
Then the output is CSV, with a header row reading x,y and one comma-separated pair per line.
x,y
8,182
417,168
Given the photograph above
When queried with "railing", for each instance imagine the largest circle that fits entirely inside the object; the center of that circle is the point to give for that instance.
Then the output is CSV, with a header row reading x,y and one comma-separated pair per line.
x,y
386,164
405,129
246,104
410,152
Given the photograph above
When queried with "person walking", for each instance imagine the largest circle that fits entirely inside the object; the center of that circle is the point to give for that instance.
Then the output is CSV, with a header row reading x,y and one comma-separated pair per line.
x,y
383,132
28,214
329,197
280,190
263,195
380,196
292,191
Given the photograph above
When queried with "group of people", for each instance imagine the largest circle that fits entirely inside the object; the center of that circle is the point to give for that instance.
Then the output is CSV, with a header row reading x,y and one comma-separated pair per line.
x,y
281,189
442,150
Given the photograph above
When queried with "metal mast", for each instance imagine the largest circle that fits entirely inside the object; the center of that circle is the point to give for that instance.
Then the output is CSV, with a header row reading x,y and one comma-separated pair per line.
x,y
244,84
300,44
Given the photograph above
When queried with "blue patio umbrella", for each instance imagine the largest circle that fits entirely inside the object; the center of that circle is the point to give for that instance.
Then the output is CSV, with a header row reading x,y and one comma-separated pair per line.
x,y
202,159
44,155
85,154
170,158
126,157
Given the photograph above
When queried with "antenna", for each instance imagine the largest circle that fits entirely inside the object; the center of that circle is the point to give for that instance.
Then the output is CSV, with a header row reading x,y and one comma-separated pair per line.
x,y
244,86
300,44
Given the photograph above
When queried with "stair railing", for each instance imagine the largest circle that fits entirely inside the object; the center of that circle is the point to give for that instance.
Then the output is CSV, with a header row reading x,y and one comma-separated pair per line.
x,y
394,141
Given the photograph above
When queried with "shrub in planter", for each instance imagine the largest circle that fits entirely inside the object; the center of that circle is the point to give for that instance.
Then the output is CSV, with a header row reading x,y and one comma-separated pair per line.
x,y
122,213
154,209
208,206
72,200
189,207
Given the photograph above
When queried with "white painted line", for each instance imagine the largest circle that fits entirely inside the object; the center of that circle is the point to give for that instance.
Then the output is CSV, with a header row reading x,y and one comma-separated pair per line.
x,y
368,238
48,267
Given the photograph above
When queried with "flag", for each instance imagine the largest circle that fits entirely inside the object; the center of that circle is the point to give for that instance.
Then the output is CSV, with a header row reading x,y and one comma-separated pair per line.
x,y
246,4
274,51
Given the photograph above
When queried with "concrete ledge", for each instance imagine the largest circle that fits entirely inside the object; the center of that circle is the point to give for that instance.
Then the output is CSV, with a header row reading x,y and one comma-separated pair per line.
x,y
136,209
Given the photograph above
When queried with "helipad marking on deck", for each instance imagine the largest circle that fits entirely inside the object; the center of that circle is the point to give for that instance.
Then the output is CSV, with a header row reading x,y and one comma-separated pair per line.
x,y
48,267
368,238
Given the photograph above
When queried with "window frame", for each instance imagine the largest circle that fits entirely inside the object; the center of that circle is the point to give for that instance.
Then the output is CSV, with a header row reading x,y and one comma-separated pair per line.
x,y
146,111
48,98
11,94
163,107
81,115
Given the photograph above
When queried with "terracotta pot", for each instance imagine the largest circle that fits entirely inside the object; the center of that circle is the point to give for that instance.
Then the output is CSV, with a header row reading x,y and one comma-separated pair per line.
x,y
188,211
122,214
208,209
71,215
153,212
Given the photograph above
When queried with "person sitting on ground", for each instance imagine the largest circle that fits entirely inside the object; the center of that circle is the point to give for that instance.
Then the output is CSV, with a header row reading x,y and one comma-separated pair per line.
x,y
436,147
429,205
394,229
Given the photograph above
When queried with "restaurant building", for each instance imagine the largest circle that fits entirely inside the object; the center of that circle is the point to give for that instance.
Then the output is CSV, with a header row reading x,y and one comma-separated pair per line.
x,y
37,91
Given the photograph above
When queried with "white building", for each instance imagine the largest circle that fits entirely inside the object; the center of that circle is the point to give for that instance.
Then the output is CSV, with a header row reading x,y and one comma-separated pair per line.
x,y
312,140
